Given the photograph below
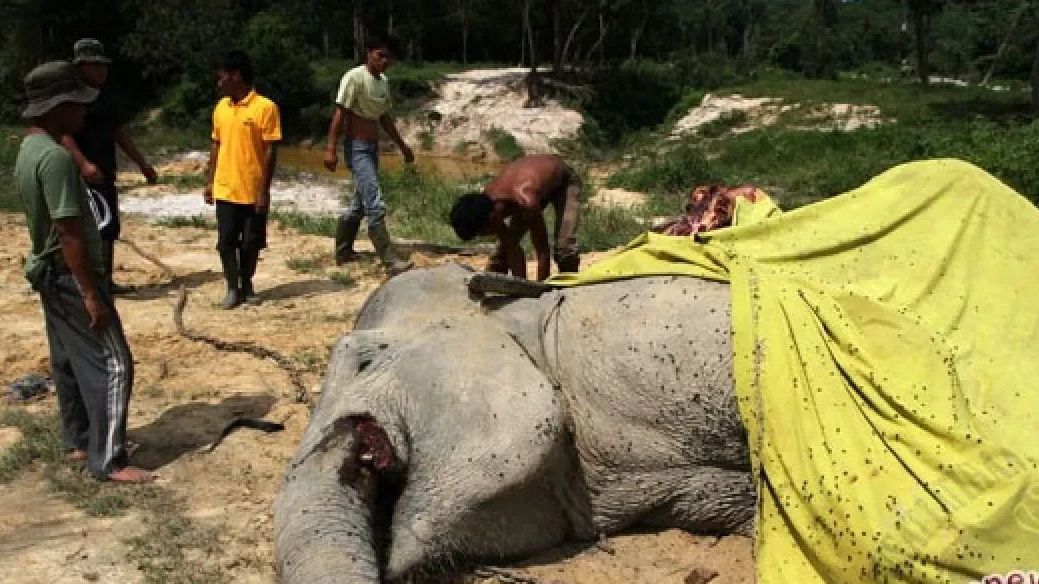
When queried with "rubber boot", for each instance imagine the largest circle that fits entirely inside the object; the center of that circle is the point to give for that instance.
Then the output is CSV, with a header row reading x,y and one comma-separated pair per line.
x,y
229,261
346,233
249,256
384,249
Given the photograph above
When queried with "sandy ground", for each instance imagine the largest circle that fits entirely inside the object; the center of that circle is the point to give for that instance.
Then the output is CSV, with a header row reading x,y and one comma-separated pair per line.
x,y
186,391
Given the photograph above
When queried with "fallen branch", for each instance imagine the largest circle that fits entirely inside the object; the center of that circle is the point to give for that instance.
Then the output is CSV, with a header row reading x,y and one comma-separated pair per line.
x,y
261,352
505,576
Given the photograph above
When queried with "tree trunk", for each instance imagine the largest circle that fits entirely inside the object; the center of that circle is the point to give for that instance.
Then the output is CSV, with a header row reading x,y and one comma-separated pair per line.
x,y
634,45
529,30
557,35
1003,45
570,38
1035,78
465,41
358,33
921,32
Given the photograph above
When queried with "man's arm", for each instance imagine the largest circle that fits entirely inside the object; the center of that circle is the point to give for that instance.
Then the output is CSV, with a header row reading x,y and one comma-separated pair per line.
x,y
391,128
74,252
214,153
539,237
90,172
263,201
334,129
127,145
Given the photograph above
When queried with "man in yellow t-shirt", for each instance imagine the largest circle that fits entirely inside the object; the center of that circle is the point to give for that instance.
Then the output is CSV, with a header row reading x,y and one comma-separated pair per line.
x,y
364,103
246,130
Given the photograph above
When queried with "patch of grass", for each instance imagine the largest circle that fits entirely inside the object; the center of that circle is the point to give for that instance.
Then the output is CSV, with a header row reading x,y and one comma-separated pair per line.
x,y
723,124
461,147
197,221
307,224
343,278
505,144
602,229
311,265
419,205
40,441
184,182
159,140
672,171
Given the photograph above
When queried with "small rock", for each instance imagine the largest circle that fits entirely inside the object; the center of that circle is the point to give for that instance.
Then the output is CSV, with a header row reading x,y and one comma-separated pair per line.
x,y
700,576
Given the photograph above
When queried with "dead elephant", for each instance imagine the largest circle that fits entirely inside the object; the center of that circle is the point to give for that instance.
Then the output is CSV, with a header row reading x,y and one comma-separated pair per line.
x,y
451,430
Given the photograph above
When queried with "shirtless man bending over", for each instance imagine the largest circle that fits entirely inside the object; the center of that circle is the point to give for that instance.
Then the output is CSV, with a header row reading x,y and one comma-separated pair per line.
x,y
513,203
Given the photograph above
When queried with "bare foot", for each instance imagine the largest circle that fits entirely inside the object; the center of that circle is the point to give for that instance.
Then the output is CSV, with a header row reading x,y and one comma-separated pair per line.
x,y
77,455
131,474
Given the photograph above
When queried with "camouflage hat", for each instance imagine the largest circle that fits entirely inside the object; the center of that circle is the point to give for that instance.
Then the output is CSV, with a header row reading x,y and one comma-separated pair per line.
x,y
52,84
89,51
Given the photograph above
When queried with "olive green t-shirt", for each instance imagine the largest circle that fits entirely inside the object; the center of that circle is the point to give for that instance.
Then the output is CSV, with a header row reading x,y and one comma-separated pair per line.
x,y
50,188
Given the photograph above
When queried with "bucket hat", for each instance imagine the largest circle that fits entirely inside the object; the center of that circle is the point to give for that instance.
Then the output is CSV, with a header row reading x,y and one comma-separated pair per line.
x,y
52,84
89,51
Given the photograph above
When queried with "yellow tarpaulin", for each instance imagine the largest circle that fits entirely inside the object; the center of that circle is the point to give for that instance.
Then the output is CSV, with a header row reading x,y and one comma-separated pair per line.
x,y
886,345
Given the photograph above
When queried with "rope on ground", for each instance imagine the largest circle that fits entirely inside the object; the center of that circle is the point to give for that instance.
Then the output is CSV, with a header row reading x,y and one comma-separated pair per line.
x,y
261,352
505,576
167,272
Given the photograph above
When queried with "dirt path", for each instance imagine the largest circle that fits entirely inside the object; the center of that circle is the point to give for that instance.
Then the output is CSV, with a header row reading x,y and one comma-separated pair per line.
x,y
185,392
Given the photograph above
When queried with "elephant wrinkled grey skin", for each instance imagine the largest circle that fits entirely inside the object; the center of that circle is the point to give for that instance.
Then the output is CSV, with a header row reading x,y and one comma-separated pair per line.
x,y
451,429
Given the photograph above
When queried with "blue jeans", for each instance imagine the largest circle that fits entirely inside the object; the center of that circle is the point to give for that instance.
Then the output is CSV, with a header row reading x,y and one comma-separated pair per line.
x,y
362,156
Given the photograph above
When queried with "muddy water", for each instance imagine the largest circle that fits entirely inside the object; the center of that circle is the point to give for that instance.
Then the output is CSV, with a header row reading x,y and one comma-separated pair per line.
x,y
310,160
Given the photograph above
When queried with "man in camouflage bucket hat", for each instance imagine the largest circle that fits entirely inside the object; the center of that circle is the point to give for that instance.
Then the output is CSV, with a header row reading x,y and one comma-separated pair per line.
x,y
90,361
93,147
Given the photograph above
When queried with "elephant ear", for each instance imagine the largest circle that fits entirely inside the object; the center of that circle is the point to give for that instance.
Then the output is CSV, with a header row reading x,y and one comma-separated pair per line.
x,y
483,421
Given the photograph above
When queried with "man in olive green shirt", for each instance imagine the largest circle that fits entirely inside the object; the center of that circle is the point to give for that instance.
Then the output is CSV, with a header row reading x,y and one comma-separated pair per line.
x,y
90,361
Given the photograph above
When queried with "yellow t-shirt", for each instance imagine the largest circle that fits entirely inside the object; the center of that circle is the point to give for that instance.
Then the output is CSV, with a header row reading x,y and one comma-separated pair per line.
x,y
364,94
245,130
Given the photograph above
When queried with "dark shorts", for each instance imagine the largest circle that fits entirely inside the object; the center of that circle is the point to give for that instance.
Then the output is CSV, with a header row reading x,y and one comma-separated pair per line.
x,y
239,226
110,231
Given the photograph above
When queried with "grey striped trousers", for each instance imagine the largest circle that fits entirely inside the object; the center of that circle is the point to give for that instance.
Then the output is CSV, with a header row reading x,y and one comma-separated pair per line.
x,y
93,372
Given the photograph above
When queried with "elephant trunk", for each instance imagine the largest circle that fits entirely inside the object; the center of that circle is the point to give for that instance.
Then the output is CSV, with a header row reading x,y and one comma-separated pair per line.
x,y
323,518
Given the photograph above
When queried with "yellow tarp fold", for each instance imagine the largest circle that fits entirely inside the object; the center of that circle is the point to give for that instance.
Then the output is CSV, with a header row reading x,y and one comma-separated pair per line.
x,y
886,345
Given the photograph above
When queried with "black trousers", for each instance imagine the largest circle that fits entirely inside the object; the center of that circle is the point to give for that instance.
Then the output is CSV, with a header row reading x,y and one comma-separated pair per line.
x,y
240,227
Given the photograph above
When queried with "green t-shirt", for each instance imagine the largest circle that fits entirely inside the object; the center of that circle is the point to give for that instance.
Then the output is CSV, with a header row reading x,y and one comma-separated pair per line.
x,y
364,94
50,187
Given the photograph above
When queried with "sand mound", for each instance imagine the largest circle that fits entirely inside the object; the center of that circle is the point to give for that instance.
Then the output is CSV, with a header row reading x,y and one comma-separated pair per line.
x,y
750,113
470,104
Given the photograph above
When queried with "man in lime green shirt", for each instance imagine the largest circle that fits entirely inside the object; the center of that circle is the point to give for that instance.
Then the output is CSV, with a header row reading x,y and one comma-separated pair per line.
x,y
364,103
90,361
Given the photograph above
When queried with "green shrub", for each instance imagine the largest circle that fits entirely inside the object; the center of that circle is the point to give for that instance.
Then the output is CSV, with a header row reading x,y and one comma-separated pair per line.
x,y
280,55
673,171
505,144
425,140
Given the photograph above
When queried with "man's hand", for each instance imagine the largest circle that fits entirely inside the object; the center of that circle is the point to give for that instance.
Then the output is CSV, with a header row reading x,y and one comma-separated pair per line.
x,y
207,194
91,173
98,312
331,160
263,202
409,156
149,173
